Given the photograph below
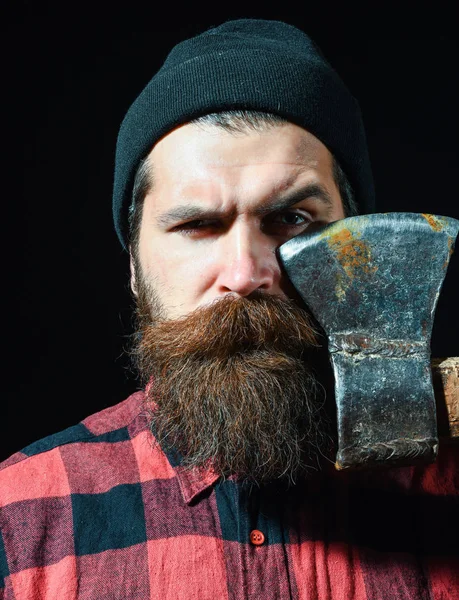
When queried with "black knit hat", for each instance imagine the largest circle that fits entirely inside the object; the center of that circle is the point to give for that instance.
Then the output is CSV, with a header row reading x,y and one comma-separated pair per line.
x,y
246,64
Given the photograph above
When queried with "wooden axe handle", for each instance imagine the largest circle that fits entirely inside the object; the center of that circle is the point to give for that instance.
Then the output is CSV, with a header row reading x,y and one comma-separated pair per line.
x,y
445,375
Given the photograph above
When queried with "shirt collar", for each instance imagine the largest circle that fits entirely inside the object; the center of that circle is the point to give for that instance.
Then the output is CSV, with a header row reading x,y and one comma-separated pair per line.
x,y
193,482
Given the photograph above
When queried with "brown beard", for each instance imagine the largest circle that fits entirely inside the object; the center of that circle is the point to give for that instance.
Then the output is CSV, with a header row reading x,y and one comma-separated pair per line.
x,y
233,385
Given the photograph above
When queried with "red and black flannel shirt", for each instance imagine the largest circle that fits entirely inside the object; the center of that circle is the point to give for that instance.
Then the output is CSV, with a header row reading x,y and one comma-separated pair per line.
x,y
100,512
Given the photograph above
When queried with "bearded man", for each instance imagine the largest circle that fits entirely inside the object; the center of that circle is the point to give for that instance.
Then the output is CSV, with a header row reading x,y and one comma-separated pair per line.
x,y
216,479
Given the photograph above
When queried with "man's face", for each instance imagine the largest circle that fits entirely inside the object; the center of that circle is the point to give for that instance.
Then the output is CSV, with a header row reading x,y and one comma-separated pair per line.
x,y
220,206
232,354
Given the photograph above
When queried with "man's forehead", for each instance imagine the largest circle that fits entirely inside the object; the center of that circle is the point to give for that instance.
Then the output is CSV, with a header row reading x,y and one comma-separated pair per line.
x,y
194,149
200,168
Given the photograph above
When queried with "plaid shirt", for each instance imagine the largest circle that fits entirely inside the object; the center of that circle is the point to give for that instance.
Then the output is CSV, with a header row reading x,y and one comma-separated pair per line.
x,y
100,512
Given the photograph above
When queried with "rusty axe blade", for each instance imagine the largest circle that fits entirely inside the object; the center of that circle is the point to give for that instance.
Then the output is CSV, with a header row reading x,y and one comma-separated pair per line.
x,y
372,282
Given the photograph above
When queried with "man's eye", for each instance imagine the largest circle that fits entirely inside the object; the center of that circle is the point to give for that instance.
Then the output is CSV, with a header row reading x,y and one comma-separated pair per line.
x,y
196,226
290,218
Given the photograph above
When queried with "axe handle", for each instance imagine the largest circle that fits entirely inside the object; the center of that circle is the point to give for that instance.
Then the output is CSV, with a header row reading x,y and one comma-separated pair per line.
x,y
445,376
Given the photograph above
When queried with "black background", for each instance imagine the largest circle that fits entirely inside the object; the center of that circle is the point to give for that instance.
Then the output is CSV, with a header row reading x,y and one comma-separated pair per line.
x,y
69,76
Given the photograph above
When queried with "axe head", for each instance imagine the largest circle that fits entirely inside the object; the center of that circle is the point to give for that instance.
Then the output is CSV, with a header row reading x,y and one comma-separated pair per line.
x,y
372,282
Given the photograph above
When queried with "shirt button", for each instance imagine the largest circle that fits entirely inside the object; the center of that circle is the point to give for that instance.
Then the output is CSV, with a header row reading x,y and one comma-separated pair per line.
x,y
257,537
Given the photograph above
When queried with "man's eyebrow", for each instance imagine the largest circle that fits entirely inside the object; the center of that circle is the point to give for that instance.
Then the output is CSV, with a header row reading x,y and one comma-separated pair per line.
x,y
188,212
292,198
193,212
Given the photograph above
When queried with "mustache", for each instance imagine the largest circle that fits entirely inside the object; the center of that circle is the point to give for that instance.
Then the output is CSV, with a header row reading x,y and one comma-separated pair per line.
x,y
233,325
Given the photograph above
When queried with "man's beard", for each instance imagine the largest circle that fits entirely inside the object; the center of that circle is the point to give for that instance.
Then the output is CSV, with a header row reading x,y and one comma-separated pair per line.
x,y
233,385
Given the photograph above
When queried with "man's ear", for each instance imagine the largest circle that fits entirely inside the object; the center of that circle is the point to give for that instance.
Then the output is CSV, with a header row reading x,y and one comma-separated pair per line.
x,y
133,277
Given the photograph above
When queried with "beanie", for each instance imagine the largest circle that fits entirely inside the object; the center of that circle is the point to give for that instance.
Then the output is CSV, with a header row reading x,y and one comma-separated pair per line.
x,y
246,64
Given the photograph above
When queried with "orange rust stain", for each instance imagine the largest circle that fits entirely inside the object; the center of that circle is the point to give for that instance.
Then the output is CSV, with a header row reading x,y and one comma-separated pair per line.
x,y
352,253
433,222
341,237
450,252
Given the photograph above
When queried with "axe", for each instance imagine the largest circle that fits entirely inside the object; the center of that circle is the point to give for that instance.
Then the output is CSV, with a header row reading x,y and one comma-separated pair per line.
x,y
372,282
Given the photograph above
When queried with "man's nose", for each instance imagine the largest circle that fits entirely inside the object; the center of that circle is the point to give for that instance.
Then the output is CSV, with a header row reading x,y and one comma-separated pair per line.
x,y
248,262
